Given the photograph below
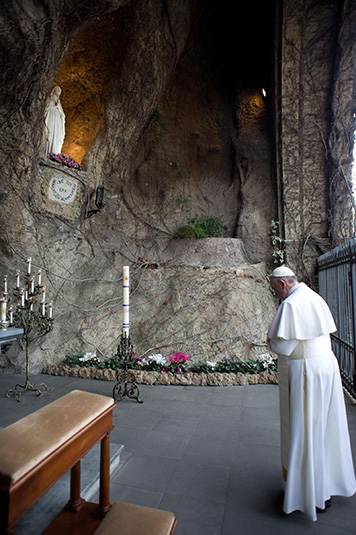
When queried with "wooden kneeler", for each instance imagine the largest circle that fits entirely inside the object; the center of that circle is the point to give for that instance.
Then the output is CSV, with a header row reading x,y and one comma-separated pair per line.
x,y
39,449
129,519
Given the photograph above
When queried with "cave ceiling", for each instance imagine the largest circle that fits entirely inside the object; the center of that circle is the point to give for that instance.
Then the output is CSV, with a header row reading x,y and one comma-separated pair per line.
x,y
235,40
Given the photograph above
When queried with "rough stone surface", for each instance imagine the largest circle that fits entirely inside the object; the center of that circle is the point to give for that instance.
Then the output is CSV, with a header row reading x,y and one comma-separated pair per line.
x,y
317,129
163,103
207,253
205,313
156,378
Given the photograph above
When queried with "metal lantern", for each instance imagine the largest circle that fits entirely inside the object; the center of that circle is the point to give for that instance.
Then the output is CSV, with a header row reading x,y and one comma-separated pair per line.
x,y
101,196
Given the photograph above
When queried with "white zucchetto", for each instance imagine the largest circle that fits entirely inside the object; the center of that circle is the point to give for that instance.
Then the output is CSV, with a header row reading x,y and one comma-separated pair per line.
x,y
282,271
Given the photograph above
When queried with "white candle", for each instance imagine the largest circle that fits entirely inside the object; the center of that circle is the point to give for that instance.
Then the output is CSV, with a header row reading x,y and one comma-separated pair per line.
x,y
22,295
17,279
39,277
43,309
32,285
11,314
44,294
50,310
3,309
29,266
5,284
126,299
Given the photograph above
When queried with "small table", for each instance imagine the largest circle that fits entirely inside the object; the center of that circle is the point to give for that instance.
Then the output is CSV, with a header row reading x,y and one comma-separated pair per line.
x,y
7,336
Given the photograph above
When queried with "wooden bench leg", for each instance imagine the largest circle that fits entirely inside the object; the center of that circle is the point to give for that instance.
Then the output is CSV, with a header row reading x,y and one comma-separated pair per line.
x,y
173,527
104,492
75,501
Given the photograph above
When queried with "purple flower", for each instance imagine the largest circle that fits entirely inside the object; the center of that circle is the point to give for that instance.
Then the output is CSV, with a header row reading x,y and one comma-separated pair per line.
x,y
63,159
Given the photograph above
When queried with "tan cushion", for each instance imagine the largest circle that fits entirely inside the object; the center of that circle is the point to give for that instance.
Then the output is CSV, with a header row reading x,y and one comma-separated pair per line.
x,y
29,440
128,519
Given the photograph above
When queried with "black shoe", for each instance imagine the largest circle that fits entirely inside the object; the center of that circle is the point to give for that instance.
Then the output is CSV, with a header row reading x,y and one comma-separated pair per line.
x,y
327,506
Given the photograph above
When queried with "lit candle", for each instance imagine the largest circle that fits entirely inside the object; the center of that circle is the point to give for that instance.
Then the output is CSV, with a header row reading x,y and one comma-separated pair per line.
x,y
22,295
17,279
39,277
3,309
43,309
32,285
11,313
50,310
29,266
126,299
5,284
44,294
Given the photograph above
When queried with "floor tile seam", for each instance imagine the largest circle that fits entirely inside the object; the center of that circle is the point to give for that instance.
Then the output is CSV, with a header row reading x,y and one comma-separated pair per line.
x,y
215,503
139,428
142,486
173,458
134,487
212,502
199,500
207,465
323,521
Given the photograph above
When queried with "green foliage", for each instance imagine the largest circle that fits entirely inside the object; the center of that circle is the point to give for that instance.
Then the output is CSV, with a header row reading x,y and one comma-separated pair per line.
x,y
179,363
183,203
202,367
277,243
80,360
200,227
245,366
72,360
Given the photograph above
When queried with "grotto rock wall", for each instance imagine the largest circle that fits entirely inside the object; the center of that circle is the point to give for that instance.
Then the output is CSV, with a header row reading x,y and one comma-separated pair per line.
x,y
164,106
316,128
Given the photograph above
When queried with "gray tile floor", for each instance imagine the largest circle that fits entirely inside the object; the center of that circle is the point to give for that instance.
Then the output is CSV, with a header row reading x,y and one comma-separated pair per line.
x,y
209,454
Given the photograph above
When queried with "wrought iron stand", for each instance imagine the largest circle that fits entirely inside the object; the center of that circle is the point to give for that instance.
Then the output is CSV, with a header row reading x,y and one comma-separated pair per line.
x,y
126,385
32,318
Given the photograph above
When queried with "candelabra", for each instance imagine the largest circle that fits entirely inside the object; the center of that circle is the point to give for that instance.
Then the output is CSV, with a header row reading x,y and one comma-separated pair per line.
x,y
33,314
126,385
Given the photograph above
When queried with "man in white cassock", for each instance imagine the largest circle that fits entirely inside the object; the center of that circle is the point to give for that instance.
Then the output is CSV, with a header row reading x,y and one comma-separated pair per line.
x,y
315,443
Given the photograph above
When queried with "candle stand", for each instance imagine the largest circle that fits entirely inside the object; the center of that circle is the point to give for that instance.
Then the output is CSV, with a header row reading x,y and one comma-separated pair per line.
x,y
36,320
126,385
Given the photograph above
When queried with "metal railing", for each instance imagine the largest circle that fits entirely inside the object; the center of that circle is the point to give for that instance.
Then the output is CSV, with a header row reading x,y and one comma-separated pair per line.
x,y
337,285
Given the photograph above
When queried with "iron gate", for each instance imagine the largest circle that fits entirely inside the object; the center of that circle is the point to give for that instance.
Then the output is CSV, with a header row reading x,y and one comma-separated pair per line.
x,y
337,285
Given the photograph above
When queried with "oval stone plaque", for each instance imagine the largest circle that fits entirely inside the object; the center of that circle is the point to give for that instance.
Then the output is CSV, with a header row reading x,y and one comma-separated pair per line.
x,y
62,190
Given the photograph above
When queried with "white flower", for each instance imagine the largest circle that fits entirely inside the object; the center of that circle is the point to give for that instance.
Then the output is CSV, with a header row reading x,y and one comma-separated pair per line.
x,y
211,364
89,356
266,360
159,359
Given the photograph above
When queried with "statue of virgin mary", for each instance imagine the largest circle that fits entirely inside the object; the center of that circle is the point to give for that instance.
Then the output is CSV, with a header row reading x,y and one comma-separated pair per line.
x,y
54,121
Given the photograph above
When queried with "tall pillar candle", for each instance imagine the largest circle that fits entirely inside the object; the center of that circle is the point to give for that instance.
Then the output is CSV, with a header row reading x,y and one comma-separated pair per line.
x,y
3,309
126,299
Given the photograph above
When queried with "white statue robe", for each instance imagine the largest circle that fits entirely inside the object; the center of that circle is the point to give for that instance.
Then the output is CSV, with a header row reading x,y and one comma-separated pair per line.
x,y
55,127
315,443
